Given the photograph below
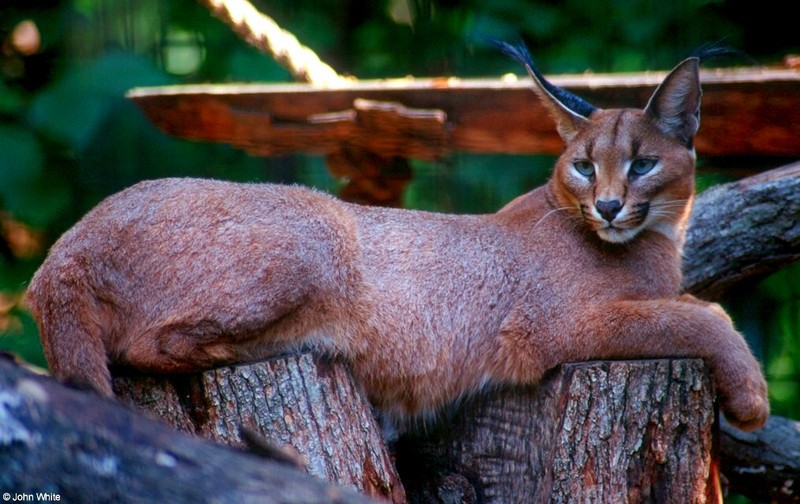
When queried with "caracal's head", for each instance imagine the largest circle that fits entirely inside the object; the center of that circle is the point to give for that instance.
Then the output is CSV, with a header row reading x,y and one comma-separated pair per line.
x,y
624,171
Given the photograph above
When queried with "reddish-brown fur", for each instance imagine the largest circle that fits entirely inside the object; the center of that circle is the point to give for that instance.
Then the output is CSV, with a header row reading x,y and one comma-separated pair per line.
x,y
181,275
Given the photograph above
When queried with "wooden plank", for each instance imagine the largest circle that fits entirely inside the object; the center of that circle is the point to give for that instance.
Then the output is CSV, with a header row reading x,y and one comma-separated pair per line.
x,y
745,112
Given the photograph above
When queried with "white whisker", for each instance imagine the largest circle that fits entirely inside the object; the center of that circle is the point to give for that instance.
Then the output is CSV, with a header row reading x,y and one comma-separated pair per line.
x,y
548,214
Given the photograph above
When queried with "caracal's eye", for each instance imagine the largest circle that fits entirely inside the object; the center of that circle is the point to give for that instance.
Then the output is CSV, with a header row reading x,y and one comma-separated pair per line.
x,y
584,167
640,166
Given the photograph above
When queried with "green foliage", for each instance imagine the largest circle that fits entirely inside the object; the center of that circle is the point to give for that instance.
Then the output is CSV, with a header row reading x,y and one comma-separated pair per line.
x,y
22,340
68,137
460,185
23,164
781,323
73,110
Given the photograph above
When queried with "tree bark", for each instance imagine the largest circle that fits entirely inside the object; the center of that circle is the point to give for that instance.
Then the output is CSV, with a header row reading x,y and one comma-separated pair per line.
x,y
310,405
763,465
77,447
629,431
742,230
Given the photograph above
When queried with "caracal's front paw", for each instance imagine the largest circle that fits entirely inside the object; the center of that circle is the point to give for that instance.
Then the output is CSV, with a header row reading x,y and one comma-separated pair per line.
x,y
744,402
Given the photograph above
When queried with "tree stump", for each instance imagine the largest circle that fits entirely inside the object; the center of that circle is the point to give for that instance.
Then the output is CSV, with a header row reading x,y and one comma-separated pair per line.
x,y
610,431
306,403
626,431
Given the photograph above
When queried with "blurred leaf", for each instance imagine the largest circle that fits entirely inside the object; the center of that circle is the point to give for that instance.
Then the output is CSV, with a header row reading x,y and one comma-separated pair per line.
x,y
22,163
21,157
11,101
42,201
705,180
21,338
26,192
781,285
87,7
66,113
250,65
14,276
467,177
183,54
73,109
314,27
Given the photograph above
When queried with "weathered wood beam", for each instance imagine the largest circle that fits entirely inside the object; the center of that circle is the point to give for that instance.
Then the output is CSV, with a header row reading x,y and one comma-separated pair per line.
x,y
745,112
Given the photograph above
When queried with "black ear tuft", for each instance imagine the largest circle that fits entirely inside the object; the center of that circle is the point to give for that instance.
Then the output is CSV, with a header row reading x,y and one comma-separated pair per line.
x,y
715,50
519,52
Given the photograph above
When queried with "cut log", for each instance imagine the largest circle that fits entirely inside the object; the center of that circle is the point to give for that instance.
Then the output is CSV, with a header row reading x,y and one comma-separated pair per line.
x,y
310,405
628,431
74,446
743,230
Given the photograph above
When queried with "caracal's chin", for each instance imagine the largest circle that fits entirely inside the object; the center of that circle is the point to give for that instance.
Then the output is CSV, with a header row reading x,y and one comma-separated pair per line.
x,y
616,235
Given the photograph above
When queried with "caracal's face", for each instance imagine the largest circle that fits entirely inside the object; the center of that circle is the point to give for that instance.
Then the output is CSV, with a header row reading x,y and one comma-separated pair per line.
x,y
621,175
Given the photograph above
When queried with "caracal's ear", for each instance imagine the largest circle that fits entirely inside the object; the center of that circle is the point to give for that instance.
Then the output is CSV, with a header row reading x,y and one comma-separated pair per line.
x,y
570,111
675,105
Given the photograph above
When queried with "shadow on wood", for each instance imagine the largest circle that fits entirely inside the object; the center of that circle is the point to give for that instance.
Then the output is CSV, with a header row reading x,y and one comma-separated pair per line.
x,y
763,465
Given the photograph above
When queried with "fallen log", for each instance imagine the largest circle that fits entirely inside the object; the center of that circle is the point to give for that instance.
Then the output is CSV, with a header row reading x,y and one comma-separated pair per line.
x,y
73,446
742,231
763,465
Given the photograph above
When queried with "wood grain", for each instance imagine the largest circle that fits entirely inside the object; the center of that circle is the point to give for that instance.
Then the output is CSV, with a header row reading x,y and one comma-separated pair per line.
x,y
627,431
745,112
310,405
